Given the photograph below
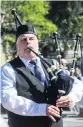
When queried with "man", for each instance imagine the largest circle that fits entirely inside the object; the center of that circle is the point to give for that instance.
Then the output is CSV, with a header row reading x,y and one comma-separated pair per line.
x,y
78,70
78,73
29,101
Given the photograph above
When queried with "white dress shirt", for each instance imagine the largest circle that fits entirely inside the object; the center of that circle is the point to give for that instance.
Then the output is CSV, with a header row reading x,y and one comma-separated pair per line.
x,y
21,105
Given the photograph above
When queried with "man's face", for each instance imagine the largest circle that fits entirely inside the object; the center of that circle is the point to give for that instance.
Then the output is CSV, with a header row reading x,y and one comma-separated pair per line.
x,y
77,71
26,41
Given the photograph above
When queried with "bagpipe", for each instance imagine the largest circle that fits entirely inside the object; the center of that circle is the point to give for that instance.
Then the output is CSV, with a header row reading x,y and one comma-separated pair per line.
x,y
73,66
59,77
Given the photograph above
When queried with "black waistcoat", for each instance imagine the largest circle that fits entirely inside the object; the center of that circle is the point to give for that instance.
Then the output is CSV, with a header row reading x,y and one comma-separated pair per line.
x,y
30,87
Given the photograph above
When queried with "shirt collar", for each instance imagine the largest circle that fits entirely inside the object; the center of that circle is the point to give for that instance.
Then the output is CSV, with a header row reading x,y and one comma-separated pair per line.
x,y
26,62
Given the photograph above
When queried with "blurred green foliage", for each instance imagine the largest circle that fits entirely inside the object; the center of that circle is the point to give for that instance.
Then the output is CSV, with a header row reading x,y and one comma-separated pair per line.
x,y
28,11
65,17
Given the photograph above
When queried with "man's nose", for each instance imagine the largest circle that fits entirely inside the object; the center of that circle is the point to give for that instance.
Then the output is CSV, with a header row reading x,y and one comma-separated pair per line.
x,y
27,41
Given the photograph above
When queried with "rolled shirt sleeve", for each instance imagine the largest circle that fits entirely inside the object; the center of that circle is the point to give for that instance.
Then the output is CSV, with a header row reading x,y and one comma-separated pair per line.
x,y
76,92
14,103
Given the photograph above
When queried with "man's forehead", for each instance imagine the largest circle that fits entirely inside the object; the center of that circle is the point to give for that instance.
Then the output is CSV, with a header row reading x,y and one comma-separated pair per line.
x,y
27,35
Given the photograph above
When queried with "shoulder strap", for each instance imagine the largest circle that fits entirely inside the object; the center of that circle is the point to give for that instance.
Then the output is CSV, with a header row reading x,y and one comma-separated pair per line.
x,y
16,63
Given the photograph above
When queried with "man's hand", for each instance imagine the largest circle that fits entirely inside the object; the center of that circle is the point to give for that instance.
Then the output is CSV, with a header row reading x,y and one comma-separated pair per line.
x,y
52,111
64,101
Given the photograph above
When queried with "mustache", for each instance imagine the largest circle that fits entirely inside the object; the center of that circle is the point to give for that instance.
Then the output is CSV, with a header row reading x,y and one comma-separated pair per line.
x,y
28,49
